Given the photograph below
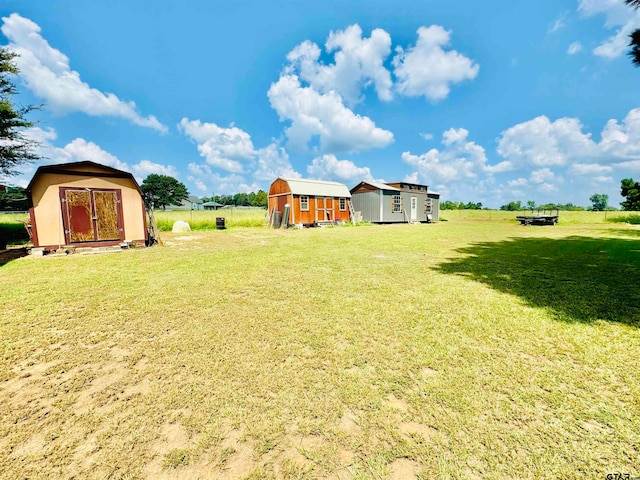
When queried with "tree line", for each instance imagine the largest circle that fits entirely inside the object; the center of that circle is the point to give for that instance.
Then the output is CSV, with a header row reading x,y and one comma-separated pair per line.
x,y
629,189
250,199
161,191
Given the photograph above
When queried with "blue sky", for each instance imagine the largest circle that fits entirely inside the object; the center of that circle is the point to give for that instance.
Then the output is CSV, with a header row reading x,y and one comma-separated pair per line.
x,y
516,101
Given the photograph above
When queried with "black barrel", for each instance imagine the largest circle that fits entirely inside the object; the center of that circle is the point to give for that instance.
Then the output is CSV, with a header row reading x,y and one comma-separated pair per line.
x,y
277,219
220,223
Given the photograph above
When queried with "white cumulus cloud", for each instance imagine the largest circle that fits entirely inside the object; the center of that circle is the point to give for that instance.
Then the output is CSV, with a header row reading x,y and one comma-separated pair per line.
x,y
458,162
146,167
540,142
588,169
223,148
328,167
80,149
323,116
359,63
272,162
426,69
543,175
232,150
46,71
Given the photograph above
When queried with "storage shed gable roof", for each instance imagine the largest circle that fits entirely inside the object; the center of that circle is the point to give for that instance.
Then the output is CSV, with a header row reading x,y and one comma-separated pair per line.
x,y
83,168
317,188
378,186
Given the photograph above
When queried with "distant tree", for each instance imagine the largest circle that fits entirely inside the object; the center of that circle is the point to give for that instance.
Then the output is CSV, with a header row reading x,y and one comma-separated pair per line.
x,y
631,191
472,206
531,205
567,207
241,200
449,205
14,199
599,201
163,190
225,199
512,206
15,148
261,199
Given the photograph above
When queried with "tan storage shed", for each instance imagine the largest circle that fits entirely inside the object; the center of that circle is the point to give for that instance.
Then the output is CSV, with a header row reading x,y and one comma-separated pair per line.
x,y
85,204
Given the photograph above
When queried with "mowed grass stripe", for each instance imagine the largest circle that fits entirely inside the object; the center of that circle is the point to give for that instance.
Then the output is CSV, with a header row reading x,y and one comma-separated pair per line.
x,y
340,352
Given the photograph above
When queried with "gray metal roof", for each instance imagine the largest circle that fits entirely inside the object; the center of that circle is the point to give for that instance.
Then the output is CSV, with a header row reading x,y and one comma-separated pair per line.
x,y
317,188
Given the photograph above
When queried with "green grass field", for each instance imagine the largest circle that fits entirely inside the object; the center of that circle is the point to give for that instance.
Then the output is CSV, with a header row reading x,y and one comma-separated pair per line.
x,y
206,220
472,348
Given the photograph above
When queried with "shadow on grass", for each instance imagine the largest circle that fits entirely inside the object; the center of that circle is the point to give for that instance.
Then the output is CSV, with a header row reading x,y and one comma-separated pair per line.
x,y
579,279
7,255
626,232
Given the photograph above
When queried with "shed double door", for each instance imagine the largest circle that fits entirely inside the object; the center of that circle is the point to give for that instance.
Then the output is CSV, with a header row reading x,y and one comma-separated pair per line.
x,y
324,209
91,215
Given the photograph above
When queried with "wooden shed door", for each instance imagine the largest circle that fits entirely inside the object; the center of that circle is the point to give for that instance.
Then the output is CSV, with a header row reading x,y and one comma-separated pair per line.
x,y
91,215
106,208
80,224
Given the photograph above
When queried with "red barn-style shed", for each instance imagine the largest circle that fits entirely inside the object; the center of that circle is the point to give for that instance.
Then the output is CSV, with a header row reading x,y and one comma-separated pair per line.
x,y
310,201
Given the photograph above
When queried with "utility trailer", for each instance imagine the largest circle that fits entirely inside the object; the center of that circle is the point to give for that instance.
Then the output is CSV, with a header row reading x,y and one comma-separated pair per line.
x,y
537,218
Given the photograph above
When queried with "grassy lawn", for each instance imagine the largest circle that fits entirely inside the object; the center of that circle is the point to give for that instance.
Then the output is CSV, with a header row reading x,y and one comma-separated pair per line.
x,y
472,348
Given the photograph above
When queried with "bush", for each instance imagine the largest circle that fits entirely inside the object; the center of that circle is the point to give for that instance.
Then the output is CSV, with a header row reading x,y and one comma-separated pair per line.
x,y
633,219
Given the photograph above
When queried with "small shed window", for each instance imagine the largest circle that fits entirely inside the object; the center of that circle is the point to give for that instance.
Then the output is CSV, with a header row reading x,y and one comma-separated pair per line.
x,y
396,204
428,205
343,204
304,203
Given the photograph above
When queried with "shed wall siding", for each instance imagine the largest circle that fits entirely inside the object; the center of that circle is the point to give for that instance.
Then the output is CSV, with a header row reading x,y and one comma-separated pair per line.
x,y
436,208
278,187
394,217
298,216
368,203
374,203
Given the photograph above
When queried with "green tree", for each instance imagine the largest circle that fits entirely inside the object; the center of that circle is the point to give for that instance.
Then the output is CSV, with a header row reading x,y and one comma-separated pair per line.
x,y
14,199
162,190
631,191
512,206
531,205
261,199
225,199
241,200
599,201
15,148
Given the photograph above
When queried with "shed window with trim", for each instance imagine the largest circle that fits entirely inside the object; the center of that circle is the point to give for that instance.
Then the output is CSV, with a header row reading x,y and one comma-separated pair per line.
x,y
396,204
428,205
304,203
343,204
